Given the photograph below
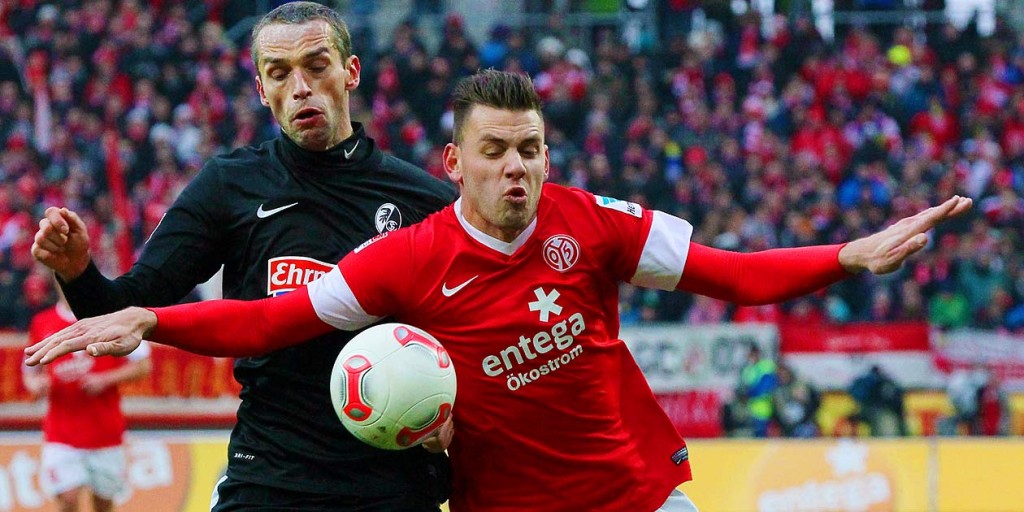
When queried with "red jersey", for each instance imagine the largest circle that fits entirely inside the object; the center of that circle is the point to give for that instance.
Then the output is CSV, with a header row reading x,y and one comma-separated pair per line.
x,y
74,417
552,411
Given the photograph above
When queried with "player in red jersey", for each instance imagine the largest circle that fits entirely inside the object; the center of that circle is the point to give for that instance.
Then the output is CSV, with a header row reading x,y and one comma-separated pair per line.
x,y
83,428
519,281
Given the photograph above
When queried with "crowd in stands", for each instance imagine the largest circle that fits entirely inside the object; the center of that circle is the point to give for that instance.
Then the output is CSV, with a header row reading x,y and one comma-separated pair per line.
x,y
759,140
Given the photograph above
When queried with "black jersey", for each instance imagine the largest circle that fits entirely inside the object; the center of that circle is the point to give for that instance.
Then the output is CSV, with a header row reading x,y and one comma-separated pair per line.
x,y
277,216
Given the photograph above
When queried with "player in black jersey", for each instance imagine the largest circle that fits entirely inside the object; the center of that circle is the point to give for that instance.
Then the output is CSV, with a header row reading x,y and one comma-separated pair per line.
x,y
277,216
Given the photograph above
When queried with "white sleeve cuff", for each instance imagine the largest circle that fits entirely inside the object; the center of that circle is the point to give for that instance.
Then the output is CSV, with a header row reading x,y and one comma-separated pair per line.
x,y
664,255
336,305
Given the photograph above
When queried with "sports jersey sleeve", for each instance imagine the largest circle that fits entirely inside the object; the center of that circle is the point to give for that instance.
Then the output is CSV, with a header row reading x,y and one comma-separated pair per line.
x,y
142,352
238,328
181,253
763,277
667,259
648,247
366,284
664,254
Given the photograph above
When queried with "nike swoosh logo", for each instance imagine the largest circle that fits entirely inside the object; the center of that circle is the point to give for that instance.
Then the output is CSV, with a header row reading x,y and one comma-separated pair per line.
x,y
261,213
448,292
348,153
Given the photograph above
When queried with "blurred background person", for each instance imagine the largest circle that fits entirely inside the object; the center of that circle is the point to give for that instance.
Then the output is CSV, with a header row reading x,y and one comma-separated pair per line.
x,y
83,429
758,381
795,404
880,402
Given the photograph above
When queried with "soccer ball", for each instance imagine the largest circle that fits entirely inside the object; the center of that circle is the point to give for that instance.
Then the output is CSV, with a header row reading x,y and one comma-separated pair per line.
x,y
392,386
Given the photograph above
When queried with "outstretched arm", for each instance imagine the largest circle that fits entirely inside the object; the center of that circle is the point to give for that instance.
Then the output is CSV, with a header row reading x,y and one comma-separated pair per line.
x,y
225,328
781,274
762,277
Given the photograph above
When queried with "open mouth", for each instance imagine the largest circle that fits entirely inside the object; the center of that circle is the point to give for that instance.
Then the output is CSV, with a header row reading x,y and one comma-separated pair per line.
x,y
307,113
516,194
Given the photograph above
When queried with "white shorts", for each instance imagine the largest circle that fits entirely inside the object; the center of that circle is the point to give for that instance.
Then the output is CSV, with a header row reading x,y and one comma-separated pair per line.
x,y
678,501
64,468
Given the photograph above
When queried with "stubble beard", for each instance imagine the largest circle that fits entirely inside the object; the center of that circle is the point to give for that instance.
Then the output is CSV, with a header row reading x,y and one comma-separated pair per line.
x,y
315,139
514,217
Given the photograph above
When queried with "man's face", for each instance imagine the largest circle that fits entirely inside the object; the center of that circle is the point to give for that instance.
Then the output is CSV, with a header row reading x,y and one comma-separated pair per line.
x,y
305,82
500,166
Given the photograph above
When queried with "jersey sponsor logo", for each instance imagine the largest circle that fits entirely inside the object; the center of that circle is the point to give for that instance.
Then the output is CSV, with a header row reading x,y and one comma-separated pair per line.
x,y
448,292
388,218
556,343
560,338
620,205
287,273
561,252
545,304
367,243
261,213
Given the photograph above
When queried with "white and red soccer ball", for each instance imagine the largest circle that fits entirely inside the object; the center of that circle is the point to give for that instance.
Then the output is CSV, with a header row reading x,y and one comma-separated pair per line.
x,y
392,386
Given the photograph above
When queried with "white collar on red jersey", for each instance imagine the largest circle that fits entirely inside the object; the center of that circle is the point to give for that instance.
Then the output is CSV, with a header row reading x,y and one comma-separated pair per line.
x,y
506,248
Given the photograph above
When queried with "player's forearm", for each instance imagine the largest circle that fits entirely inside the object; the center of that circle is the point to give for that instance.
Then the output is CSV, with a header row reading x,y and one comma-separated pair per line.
x,y
235,328
91,294
760,277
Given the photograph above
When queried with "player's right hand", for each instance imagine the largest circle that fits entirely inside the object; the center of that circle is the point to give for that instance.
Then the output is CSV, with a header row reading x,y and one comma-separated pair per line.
x,y
62,243
114,334
439,441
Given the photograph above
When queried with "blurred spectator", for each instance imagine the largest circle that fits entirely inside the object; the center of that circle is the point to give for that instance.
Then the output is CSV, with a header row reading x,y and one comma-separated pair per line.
x,y
880,402
963,390
758,382
993,408
795,404
736,418
761,139
949,308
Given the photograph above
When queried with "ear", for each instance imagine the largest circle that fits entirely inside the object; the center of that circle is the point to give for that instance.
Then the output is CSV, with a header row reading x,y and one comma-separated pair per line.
x,y
354,68
259,89
547,162
452,167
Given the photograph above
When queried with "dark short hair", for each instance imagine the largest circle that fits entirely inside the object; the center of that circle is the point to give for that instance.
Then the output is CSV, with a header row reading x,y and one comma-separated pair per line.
x,y
493,88
297,13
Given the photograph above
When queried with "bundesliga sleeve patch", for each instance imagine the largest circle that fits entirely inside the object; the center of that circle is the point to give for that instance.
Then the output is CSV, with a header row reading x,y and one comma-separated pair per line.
x,y
620,205
680,456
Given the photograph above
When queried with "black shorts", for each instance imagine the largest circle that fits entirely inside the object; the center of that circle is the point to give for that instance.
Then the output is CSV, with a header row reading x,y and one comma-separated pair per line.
x,y
237,496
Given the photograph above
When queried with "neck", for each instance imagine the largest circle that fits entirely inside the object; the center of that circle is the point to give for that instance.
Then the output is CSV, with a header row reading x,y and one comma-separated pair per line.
x,y
349,152
343,133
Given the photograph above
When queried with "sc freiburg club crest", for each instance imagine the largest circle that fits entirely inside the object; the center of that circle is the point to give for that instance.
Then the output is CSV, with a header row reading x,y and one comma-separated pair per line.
x,y
388,218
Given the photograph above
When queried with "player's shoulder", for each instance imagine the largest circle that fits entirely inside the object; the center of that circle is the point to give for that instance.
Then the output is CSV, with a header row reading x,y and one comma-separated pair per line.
x,y
225,177
582,202
242,159
407,172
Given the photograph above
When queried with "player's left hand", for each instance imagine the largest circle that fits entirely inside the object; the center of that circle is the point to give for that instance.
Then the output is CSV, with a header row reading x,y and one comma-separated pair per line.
x,y
439,441
885,251
115,334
